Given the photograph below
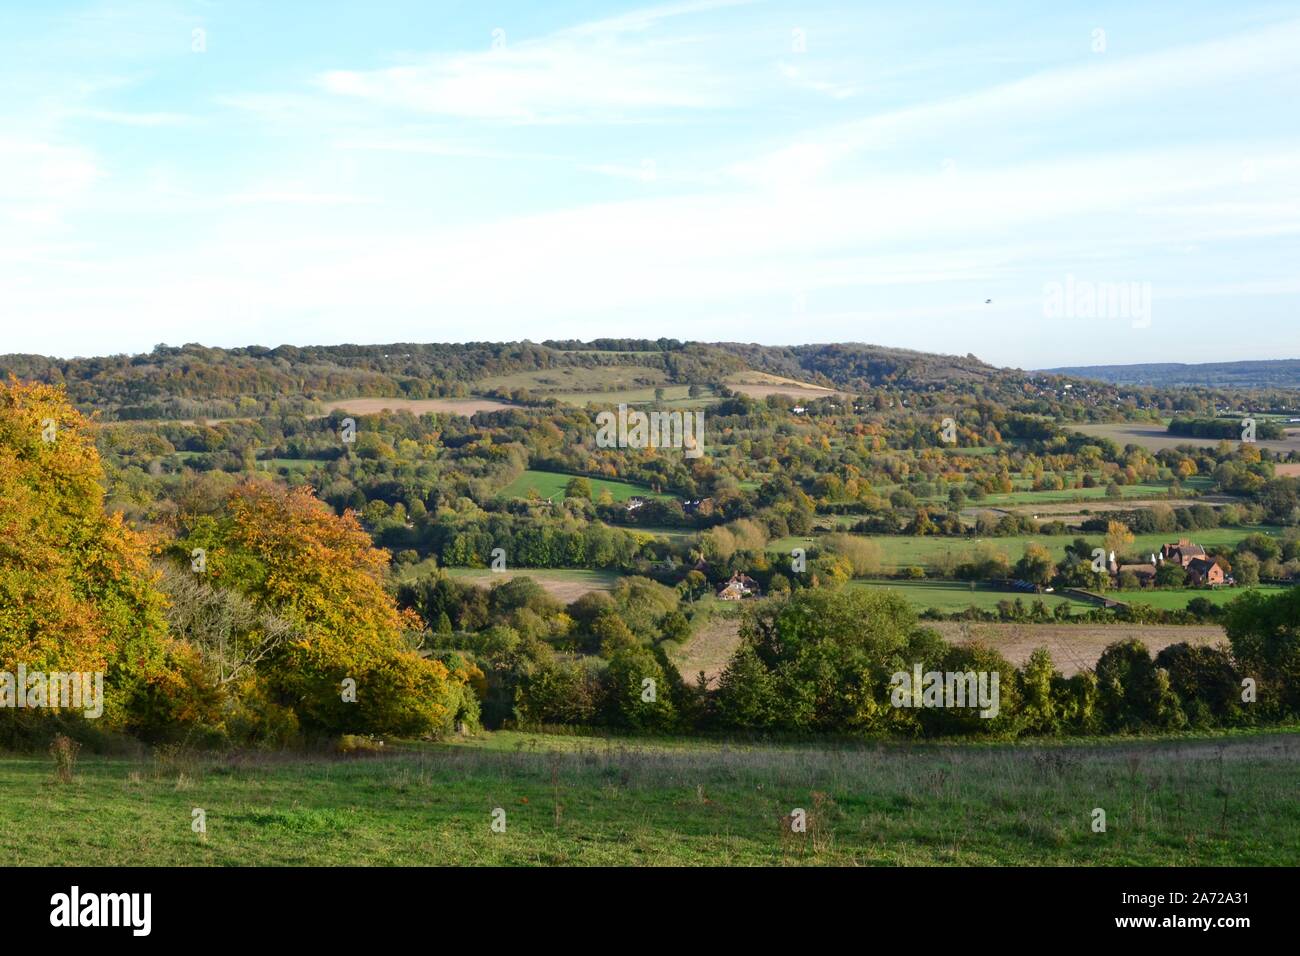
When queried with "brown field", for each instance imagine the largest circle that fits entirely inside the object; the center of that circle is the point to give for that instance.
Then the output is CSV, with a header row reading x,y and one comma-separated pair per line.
x,y
566,586
1287,471
709,649
1074,646
763,384
416,406
1155,438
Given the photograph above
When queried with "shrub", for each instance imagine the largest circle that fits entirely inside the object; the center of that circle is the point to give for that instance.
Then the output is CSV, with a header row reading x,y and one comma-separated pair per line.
x,y
1205,681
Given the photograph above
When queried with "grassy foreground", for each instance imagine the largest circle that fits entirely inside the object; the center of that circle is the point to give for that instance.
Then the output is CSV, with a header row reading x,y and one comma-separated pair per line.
x,y
586,801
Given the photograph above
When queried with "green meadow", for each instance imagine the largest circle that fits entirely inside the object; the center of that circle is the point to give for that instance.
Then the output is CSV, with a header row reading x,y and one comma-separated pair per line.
x,y
550,484
570,800
901,551
949,596
1177,598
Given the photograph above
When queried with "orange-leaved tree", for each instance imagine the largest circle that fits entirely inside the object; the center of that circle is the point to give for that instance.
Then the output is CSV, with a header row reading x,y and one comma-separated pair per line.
x,y
287,551
76,589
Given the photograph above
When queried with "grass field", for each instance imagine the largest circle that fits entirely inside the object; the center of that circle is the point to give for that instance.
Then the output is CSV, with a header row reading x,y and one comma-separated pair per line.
x,y
1177,598
570,800
550,484
1144,490
900,551
416,406
948,596
675,396
574,379
605,385
299,465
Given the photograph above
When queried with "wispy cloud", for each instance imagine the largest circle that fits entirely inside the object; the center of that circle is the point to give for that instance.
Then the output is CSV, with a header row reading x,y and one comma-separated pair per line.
x,y
1045,98
124,118
607,70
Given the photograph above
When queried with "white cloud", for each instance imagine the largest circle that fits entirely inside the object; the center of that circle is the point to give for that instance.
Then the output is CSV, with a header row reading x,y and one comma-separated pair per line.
x,y
1044,99
607,70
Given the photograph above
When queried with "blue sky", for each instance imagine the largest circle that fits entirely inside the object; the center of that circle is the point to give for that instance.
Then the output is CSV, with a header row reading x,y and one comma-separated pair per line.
x,y
241,173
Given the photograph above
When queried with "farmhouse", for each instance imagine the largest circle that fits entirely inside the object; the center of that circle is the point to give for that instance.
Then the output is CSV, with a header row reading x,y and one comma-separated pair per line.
x,y
1202,571
1182,552
738,587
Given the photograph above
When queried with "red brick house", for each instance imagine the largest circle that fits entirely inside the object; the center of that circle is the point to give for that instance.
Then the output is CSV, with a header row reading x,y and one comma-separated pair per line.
x,y
1183,552
1201,571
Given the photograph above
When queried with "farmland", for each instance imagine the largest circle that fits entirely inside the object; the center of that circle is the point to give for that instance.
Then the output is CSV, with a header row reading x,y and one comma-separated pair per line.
x,y
761,385
948,596
1177,598
551,485
593,379
416,406
564,584
1154,436
901,551
1074,647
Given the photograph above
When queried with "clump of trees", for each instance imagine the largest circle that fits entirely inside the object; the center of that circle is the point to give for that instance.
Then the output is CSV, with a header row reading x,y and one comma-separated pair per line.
x,y
269,615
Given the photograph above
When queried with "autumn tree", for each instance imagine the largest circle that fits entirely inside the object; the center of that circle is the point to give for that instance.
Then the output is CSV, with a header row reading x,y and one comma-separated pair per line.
x,y
76,589
294,558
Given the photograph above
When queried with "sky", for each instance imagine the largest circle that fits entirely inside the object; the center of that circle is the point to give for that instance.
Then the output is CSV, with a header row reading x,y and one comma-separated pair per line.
x,y
1037,184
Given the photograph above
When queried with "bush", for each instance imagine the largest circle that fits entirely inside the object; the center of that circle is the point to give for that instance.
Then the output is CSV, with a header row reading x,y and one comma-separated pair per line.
x,y
1134,694
1265,636
355,744
1206,683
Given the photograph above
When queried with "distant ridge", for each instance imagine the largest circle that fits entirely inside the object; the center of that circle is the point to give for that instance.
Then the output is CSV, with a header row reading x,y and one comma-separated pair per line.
x,y
1272,373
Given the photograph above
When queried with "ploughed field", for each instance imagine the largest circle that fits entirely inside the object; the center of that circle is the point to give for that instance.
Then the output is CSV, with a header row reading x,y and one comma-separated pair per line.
x,y
1074,647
